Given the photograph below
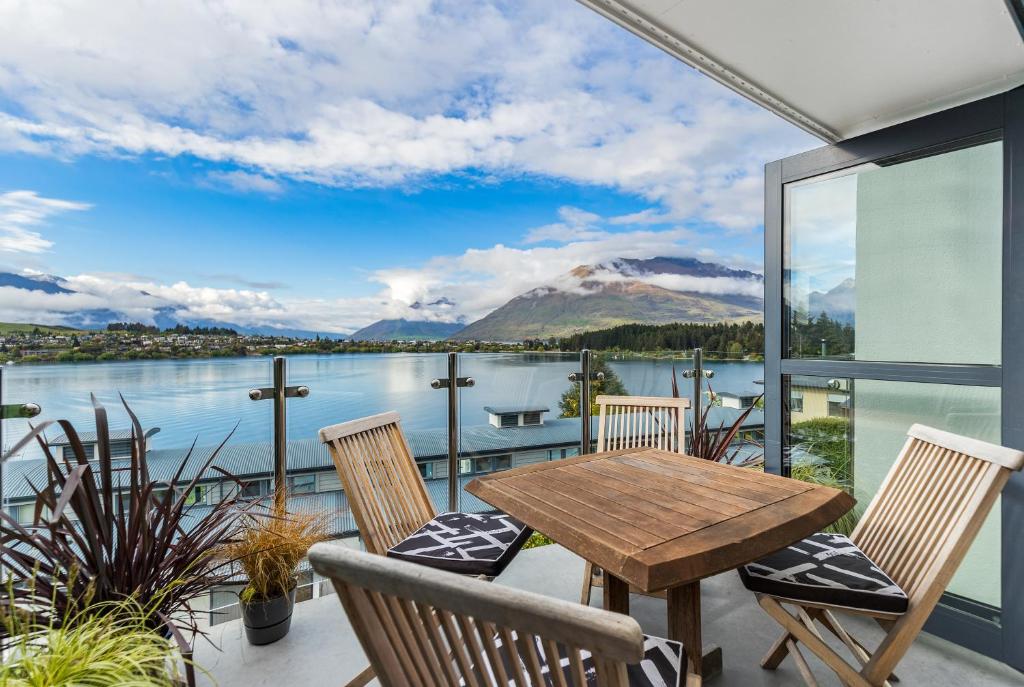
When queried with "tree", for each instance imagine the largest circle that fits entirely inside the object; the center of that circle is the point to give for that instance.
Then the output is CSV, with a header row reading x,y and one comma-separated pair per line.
x,y
611,384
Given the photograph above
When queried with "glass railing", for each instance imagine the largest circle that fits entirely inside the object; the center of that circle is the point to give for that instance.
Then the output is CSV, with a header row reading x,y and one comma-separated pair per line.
x,y
521,409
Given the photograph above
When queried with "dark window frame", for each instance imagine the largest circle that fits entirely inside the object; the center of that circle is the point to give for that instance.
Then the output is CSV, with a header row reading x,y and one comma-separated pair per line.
x,y
998,117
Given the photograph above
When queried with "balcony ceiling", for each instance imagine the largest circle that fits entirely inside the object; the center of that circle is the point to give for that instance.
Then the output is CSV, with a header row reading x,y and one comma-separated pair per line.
x,y
839,68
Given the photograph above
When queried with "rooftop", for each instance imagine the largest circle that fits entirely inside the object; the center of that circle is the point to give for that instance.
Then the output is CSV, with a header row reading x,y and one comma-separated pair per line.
x,y
509,410
251,460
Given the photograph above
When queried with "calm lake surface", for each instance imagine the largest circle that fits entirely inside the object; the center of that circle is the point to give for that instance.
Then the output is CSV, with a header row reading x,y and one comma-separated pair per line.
x,y
206,398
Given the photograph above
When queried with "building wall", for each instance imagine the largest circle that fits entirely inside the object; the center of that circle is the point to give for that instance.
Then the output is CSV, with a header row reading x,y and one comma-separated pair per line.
x,y
815,404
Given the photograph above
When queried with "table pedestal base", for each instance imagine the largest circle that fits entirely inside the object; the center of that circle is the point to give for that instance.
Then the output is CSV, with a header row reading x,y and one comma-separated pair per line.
x,y
683,622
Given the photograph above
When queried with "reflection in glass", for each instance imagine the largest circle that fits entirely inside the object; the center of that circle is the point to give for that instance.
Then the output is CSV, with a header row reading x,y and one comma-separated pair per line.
x,y
898,263
847,433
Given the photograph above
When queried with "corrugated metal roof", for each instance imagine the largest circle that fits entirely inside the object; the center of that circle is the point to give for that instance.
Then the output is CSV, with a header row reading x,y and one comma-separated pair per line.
x,y
251,460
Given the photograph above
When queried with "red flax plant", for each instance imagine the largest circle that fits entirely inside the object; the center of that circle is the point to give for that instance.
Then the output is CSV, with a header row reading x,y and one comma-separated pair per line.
x,y
103,534
715,444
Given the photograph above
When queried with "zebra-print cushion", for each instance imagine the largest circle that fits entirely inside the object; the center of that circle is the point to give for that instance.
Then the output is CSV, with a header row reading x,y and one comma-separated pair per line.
x,y
825,568
465,543
661,665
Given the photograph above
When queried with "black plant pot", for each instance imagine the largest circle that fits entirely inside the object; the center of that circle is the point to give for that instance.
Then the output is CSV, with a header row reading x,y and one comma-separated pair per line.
x,y
268,621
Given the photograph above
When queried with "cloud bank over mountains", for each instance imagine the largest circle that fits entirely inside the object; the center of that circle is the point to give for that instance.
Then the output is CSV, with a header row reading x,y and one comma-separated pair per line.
x,y
447,288
393,93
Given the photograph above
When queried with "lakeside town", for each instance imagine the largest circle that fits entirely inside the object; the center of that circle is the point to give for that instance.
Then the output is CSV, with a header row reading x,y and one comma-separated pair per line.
x,y
28,343
60,345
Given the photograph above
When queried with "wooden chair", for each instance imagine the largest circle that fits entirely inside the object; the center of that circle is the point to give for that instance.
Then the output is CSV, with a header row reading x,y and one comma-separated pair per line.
x,y
916,532
636,422
641,422
385,491
395,516
430,628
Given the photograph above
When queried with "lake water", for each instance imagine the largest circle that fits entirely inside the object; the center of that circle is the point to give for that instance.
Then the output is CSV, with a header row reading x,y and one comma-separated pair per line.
x,y
206,398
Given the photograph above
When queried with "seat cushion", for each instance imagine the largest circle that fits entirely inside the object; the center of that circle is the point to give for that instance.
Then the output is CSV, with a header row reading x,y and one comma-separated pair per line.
x,y
465,543
662,665
827,569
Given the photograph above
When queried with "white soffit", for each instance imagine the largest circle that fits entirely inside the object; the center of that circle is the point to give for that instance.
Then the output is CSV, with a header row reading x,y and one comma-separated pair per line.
x,y
839,68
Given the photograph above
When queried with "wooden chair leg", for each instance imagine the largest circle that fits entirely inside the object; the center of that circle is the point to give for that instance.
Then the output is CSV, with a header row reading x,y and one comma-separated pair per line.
x,y
362,678
801,663
861,652
588,580
808,636
779,651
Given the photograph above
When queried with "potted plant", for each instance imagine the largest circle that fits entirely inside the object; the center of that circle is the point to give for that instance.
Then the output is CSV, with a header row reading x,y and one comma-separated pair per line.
x,y
269,551
102,535
110,643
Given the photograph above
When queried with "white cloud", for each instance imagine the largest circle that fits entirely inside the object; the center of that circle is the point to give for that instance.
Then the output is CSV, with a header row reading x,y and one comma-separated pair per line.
x,y
245,182
391,92
21,212
576,225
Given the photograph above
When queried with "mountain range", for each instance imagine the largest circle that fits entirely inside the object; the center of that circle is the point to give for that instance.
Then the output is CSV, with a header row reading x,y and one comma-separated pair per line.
x,y
839,302
657,290
653,291
164,317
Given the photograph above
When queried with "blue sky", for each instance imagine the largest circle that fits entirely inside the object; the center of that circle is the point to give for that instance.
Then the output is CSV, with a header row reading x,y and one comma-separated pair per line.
x,y
314,166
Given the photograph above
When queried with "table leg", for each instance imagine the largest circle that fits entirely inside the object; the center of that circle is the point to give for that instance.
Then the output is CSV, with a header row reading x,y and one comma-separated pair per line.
x,y
684,626
616,594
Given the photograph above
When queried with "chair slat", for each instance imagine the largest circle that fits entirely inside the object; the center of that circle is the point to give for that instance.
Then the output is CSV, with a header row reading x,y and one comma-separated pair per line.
x,y
386,493
641,422
488,633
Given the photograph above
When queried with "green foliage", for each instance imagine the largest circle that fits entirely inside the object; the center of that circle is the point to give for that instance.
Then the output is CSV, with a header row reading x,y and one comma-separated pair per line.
x,y
826,438
611,385
818,474
132,328
7,328
536,540
806,336
823,445
724,339
113,645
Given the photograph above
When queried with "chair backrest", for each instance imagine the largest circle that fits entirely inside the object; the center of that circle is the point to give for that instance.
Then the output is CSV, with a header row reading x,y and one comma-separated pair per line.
x,y
384,489
930,507
642,422
421,626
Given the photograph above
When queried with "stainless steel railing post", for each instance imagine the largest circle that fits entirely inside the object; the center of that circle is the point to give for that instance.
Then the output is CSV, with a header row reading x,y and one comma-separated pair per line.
x,y
452,383
584,377
7,412
280,392
698,374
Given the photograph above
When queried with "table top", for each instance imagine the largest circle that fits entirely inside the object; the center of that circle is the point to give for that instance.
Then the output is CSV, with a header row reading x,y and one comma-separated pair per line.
x,y
659,519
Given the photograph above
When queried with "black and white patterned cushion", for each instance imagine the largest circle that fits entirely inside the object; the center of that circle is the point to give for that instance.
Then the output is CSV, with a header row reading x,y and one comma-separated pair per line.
x,y
825,568
465,543
661,665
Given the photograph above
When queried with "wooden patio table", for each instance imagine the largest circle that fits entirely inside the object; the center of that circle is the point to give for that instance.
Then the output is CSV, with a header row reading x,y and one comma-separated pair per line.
x,y
662,521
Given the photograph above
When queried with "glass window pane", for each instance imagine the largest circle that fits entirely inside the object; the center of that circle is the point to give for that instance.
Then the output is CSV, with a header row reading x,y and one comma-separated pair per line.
x,y
898,263
855,449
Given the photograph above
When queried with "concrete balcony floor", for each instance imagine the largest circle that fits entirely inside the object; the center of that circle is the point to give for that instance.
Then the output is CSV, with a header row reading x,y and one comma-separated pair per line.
x,y
321,649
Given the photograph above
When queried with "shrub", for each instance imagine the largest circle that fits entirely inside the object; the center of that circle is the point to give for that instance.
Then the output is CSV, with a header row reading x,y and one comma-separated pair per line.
x,y
270,549
111,645
102,535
